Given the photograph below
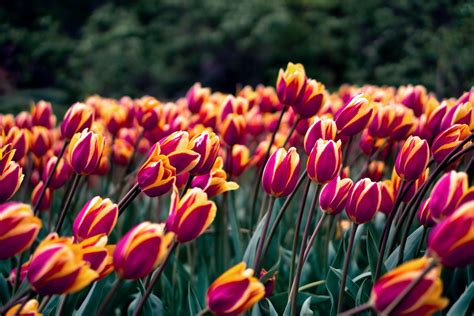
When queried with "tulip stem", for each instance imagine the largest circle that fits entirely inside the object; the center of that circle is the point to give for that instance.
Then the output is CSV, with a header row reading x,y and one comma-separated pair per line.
x,y
110,295
154,279
18,272
296,235
281,213
357,310
340,301
188,184
257,261
299,267
390,308
313,237
25,300
128,198
69,197
293,127
262,166
50,177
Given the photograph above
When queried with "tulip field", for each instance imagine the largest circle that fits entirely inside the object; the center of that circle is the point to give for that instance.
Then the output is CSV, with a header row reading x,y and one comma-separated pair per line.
x,y
284,200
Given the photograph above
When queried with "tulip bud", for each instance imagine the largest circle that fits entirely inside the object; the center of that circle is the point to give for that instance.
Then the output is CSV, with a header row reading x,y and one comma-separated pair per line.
x,y
190,215
446,194
324,161
291,84
311,100
85,151
352,118
23,120
156,176
323,128
268,100
451,241
332,199
40,140
23,272
233,129
240,159
259,153
122,151
234,292
61,175
19,139
458,114
141,250
363,201
375,170
148,112
196,97
414,98
445,142
47,197
215,182
381,125
176,147
370,145
234,105
412,159
269,283
98,254
57,267
78,118
424,214
42,115
434,118
19,228
97,217
207,145
31,308
10,179
281,172
387,195
403,124
424,299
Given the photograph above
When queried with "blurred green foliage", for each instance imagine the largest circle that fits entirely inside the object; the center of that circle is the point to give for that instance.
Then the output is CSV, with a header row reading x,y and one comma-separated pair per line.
x,y
66,50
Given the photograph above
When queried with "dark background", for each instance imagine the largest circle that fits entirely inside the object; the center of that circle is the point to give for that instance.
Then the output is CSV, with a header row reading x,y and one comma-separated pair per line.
x,y
65,50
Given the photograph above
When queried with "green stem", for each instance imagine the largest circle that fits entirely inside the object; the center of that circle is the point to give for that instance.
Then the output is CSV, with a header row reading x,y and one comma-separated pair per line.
x,y
311,285
109,296
345,269
357,310
257,261
293,127
313,237
69,197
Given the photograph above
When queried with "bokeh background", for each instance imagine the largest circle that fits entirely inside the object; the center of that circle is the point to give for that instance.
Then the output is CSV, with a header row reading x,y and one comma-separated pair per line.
x,y
65,50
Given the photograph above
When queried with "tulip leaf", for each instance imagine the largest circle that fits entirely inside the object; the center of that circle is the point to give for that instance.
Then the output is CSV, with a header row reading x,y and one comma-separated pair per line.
x,y
410,249
51,306
373,254
4,291
249,255
364,292
271,309
306,309
193,302
153,305
91,303
461,306
351,286
235,228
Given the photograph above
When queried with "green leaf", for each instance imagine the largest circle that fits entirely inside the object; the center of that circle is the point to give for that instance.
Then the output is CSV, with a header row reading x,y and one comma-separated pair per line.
x,y
306,309
410,249
364,292
462,304
271,309
153,305
235,228
249,255
373,254
193,302
351,286
91,303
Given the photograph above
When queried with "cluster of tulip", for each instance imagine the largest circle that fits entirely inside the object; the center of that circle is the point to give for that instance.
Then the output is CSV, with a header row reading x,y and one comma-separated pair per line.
x,y
198,157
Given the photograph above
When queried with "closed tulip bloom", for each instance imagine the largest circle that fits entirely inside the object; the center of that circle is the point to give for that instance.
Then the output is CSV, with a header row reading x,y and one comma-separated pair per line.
x,y
354,116
451,241
387,195
412,159
234,105
10,179
325,161
434,118
281,172
156,176
268,99
381,125
234,292
40,141
397,181
414,98
233,129
18,228
370,145
424,299
363,201
290,85
148,112
98,254
240,159
79,117
403,124
42,115
98,216
61,175
176,147
141,250
121,152
445,142
468,196
424,214
458,114
23,272
311,101
196,97
6,156
23,120
322,128
447,193
47,198
207,145
57,267
375,170
190,215
19,139
332,199
215,182
31,308
85,151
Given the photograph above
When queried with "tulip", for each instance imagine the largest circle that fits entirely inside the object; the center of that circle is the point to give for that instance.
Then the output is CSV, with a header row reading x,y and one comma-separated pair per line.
x,y
121,152
325,161
30,308
354,116
381,125
451,241
412,159
446,194
148,112
19,139
85,151
10,179
458,114
424,214
98,254
115,116
141,250
78,118
42,115
323,128
47,198
190,215
176,147
259,153
23,120
291,83
269,283
370,145
18,228
281,172
234,292
332,199
61,175
424,299
6,156
375,170
234,105
363,201
23,272
207,145
215,182
445,142
434,118
156,176
403,124
233,129
196,97
98,216
57,267
240,159
311,100
414,98
40,140
387,195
